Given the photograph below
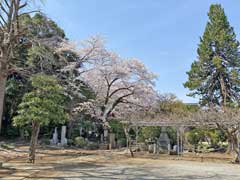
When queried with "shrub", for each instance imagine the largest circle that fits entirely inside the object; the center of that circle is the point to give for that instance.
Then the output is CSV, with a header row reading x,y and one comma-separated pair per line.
x,y
122,142
7,146
172,134
195,136
117,128
149,133
45,141
10,132
70,142
80,142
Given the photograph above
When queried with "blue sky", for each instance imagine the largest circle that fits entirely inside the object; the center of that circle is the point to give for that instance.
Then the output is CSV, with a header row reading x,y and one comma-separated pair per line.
x,y
163,34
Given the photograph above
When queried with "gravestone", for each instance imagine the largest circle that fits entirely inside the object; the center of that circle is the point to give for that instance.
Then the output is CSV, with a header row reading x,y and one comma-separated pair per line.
x,y
63,136
164,141
81,131
101,138
150,148
105,133
175,148
112,142
54,140
155,148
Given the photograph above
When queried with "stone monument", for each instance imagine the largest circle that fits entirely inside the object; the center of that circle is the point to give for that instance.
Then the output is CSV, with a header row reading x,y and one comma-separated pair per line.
x,y
54,140
112,142
101,138
63,136
175,148
164,141
80,131
155,148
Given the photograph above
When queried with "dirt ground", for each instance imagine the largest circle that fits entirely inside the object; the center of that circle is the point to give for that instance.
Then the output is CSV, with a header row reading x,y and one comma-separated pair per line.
x,y
74,164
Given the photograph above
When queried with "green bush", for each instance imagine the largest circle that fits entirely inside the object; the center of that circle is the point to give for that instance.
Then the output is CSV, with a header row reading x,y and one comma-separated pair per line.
x,y
172,134
209,138
7,146
117,128
149,132
80,142
70,142
45,141
10,132
216,137
205,146
195,136
122,142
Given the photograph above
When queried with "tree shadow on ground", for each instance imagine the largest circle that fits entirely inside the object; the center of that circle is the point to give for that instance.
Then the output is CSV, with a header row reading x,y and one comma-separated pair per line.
x,y
92,171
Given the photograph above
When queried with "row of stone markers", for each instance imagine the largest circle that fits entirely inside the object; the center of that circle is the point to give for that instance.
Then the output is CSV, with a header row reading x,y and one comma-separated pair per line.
x,y
105,138
163,144
63,142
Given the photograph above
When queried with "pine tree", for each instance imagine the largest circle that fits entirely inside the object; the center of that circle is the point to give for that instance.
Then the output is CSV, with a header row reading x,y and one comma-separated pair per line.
x,y
41,106
214,76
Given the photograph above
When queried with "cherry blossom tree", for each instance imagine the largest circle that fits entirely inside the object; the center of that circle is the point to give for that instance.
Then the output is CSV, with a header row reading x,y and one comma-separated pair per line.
x,y
120,85
82,57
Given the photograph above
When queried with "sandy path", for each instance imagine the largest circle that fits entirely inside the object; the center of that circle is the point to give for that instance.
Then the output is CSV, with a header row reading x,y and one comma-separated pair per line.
x,y
112,167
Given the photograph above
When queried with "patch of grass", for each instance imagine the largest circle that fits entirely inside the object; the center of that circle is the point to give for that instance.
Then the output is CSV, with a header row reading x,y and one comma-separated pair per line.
x,y
8,146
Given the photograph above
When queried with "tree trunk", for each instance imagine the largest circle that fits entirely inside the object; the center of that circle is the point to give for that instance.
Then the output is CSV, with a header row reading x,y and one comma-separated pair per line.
x,y
106,130
3,81
232,141
237,150
231,137
131,151
33,142
237,158
230,147
126,131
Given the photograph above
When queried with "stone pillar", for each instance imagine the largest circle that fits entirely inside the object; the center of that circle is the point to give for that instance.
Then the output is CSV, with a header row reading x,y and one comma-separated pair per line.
x,y
105,134
81,131
101,138
169,148
63,136
178,142
181,131
175,149
112,142
54,140
154,148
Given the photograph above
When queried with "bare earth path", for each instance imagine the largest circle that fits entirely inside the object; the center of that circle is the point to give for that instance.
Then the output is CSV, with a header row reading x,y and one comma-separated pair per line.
x,y
112,166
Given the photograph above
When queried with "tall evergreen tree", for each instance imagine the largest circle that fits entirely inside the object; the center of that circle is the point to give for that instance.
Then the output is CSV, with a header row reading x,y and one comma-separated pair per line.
x,y
41,106
214,76
30,57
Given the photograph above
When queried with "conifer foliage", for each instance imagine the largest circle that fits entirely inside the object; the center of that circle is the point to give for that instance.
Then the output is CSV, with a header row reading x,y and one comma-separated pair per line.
x,y
214,76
